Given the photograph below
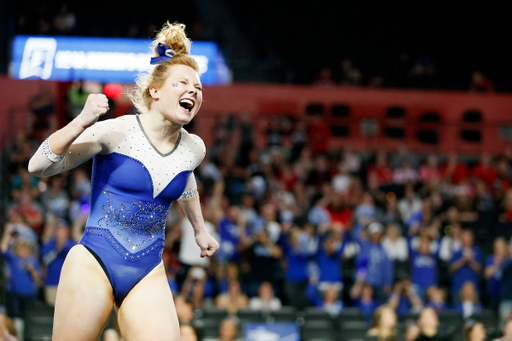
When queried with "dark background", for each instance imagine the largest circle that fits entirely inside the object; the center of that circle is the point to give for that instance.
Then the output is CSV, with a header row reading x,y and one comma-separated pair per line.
x,y
290,41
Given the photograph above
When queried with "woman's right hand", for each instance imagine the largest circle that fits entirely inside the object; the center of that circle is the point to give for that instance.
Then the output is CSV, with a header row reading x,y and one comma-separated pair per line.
x,y
96,105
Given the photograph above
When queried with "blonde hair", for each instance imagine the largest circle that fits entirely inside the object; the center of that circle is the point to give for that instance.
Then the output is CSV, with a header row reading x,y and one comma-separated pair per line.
x,y
174,36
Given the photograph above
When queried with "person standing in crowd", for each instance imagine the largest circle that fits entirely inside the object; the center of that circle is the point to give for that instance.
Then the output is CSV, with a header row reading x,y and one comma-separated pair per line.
x,y
24,279
374,262
466,264
493,271
507,332
54,253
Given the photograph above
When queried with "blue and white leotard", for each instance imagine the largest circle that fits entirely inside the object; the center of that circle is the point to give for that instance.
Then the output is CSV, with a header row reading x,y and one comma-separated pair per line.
x,y
133,186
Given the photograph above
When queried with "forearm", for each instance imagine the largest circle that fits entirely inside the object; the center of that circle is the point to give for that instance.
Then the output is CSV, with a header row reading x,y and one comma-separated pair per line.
x,y
457,265
62,139
473,264
192,208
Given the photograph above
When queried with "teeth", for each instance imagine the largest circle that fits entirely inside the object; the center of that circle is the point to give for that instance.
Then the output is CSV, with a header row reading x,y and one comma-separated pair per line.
x,y
187,101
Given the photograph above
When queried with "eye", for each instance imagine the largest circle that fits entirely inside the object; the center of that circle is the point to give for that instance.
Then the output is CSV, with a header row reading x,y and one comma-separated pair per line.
x,y
199,88
183,82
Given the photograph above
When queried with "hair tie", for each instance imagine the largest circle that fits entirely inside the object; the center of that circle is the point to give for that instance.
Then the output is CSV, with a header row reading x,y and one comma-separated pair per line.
x,y
165,53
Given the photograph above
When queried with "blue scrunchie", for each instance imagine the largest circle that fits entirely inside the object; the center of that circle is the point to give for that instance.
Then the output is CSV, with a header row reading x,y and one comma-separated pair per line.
x,y
165,53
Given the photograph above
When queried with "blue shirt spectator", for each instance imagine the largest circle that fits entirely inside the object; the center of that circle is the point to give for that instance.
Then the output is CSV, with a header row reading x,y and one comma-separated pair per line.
x,y
465,264
374,261
423,267
54,254
329,259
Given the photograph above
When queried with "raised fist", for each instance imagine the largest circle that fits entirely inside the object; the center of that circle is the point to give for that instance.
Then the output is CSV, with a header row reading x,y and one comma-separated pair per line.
x,y
96,105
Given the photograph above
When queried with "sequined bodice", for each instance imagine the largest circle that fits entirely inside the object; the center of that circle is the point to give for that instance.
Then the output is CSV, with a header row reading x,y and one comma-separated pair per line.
x,y
133,188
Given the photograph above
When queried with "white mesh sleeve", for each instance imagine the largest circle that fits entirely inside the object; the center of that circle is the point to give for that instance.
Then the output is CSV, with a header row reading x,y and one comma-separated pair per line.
x,y
101,137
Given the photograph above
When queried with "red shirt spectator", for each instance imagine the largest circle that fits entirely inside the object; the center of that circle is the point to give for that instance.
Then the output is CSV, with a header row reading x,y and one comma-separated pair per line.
x,y
454,171
485,171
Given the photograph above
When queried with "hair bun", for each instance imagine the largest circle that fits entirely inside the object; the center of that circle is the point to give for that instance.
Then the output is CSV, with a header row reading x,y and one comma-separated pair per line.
x,y
173,35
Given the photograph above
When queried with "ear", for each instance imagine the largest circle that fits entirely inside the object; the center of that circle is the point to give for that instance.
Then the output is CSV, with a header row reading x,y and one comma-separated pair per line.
x,y
153,91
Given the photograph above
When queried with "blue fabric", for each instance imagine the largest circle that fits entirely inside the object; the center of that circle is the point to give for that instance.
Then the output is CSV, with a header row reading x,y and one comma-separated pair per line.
x,y
506,280
126,226
494,283
229,241
374,261
54,259
476,309
165,54
465,273
423,269
367,308
330,266
297,270
21,281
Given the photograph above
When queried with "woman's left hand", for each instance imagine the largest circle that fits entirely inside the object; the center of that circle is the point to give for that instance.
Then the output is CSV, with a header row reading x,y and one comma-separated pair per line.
x,y
207,244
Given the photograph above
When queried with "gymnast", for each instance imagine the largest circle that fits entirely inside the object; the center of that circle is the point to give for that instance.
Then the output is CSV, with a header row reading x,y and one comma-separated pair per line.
x,y
142,163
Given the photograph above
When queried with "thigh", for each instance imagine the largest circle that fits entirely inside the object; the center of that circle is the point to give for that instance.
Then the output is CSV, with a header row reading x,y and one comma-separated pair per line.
x,y
84,298
148,312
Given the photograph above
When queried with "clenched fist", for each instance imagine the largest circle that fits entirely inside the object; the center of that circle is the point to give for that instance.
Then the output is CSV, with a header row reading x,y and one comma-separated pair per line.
x,y
96,105
207,244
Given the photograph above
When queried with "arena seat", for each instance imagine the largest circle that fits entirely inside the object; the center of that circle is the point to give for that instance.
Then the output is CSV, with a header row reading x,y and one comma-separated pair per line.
x,y
317,331
250,316
353,330
315,314
285,314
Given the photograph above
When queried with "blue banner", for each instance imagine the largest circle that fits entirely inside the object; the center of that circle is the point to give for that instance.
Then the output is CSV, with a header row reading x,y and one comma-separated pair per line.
x,y
271,332
106,60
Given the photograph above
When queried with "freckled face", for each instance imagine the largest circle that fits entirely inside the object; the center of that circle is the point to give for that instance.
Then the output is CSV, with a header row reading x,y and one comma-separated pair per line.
x,y
180,97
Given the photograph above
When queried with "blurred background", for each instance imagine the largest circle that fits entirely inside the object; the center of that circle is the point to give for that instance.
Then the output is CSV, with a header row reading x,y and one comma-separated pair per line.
x,y
358,169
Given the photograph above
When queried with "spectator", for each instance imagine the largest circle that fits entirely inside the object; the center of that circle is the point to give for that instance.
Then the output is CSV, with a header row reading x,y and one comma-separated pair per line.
x,y
7,329
331,302
469,303
375,263
430,170
412,331
228,330
233,300
298,247
184,310
409,204
505,307
265,301
394,244
187,333
436,299
329,256
362,296
493,271
465,264
423,267
453,171
65,21
383,325
404,298
429,323
263,257
405,174
24,279
474,331
485,170
30,211
54,253
507,332
452,241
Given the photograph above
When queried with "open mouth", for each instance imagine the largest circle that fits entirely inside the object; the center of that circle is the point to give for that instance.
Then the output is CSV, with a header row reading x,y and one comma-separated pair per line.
x,y
187,104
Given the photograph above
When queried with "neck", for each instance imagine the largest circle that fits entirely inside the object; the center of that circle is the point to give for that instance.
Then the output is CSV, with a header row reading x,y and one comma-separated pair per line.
x,y
158,127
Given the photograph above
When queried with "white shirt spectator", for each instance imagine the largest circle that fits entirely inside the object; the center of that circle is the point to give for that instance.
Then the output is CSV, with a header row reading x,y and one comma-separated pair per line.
x,y
449,245
190,253
407,208
257,303
396,249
